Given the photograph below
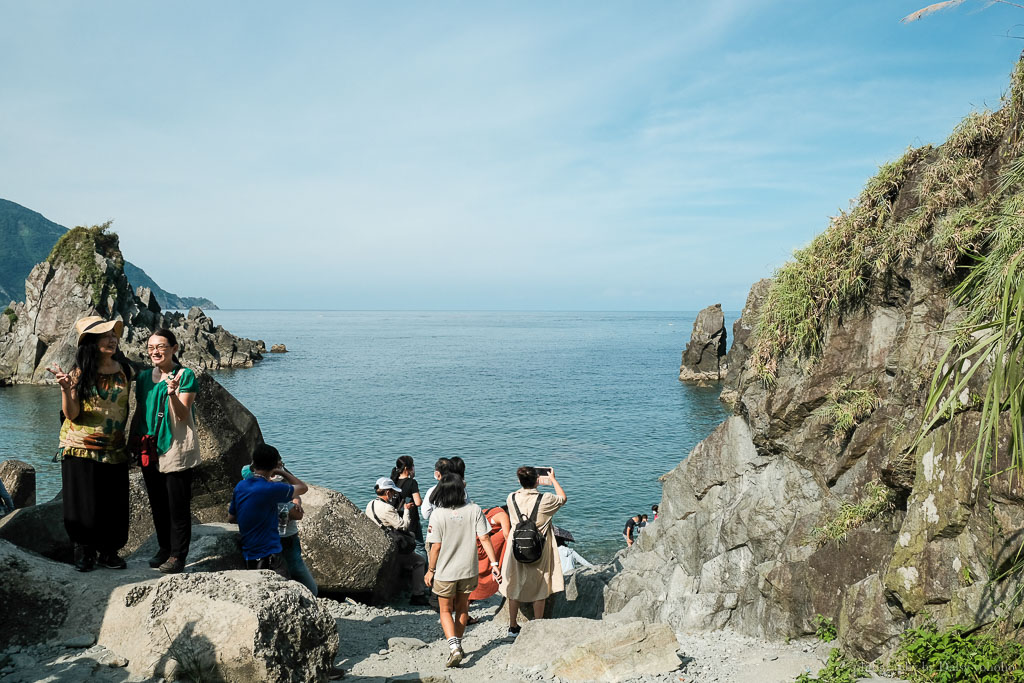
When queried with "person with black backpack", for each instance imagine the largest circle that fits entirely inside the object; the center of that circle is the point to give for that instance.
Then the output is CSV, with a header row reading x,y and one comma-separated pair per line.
x,y
531,567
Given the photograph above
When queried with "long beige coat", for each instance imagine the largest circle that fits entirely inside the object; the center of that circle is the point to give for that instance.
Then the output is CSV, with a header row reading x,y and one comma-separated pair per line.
x,y
536,581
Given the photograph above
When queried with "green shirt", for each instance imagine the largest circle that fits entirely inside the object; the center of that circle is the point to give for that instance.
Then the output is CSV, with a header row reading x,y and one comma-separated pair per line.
x,y
152,399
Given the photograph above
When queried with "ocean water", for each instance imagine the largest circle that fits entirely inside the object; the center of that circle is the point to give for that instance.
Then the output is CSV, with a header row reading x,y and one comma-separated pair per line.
x,y
594,395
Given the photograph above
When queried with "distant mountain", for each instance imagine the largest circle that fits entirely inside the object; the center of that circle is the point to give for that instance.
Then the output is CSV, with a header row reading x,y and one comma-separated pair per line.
x,y
26,238
138,277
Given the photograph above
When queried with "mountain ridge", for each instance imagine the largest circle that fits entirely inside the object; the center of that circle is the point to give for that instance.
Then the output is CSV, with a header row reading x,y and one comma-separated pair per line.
x,y
26,238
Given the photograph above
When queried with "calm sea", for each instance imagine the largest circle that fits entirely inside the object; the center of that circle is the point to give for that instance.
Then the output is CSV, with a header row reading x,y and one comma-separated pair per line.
x,y
594,395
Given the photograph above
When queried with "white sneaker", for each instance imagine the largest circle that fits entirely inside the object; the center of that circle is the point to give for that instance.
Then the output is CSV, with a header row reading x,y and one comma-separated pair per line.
x,y
455,658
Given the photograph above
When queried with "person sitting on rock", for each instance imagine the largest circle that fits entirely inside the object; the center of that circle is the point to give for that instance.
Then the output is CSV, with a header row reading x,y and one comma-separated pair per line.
x,y
254,505
455,528
384,511
571,560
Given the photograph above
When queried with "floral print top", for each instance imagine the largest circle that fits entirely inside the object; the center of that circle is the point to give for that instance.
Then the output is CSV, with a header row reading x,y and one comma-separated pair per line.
x,y
98,433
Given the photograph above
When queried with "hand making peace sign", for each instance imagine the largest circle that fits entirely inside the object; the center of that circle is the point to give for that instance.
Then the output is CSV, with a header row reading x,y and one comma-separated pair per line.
x,y
63,379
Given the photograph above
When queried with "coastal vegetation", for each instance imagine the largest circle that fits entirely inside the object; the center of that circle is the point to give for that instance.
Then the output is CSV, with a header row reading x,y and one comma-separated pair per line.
x,y
9,312
840,668
956,654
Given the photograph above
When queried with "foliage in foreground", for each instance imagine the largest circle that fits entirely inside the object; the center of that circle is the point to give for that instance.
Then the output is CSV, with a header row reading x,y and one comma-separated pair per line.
x,y
825,629
954,655
840,668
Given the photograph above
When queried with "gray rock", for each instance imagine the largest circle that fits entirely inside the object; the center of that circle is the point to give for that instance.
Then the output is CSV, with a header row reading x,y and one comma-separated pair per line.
x,y
81,642
278,348
19,479
594,650
346,552
39,528
405,643
215,547
584,592
237,625
705,352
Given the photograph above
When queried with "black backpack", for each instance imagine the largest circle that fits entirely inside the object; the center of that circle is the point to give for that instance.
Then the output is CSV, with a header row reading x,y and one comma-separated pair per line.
x,y
527,540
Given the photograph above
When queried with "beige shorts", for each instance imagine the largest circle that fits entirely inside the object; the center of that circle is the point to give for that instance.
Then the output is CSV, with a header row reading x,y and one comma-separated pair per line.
x,y
448,589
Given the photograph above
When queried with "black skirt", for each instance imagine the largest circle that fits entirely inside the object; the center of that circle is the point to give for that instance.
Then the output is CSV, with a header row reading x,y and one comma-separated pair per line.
x,y
95,503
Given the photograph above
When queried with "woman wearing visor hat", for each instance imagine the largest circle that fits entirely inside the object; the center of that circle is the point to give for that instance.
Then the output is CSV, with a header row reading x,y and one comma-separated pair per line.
x,y
93,452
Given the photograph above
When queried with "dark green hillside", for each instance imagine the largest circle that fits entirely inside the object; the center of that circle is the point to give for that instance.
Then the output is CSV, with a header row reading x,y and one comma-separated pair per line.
x,y
26,238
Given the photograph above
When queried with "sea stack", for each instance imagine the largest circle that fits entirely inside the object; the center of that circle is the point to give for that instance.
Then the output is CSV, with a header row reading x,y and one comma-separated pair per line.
x,y
703,359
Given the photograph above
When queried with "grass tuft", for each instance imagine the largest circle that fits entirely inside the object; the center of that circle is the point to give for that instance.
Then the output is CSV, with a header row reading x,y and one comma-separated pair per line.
x,y
878,499
845,407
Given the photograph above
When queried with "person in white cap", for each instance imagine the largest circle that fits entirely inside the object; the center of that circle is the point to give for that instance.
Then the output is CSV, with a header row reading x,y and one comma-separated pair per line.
x,y
384,511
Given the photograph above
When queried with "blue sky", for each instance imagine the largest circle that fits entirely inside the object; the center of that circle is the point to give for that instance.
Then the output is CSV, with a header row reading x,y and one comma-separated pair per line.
x,y
468,155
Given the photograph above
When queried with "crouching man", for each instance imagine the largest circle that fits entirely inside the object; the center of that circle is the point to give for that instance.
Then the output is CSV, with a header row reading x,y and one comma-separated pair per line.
x,y
254,505
384,511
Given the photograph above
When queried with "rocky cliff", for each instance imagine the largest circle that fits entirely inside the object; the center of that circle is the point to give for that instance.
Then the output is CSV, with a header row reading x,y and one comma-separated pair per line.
x,y
84,275
704,355
836,488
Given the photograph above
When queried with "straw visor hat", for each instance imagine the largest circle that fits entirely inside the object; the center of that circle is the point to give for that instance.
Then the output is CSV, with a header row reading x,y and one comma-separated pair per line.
x,y
95,324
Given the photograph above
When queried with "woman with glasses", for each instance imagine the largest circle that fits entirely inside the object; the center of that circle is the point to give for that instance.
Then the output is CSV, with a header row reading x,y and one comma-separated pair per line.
x,y
168,447
93,452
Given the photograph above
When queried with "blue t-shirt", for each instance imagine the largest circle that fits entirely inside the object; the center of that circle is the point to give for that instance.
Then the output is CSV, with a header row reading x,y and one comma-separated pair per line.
x,y
254,502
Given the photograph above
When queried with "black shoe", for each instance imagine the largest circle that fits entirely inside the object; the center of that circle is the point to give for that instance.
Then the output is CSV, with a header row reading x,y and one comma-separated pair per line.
x,y
85,558
420,600
111,561
173,565
160,557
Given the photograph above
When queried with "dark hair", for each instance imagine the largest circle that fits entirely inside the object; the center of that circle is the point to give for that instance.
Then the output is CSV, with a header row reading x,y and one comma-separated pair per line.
x,y
443,466
654,508
450,492
458,466
559,540
171,339
403,463
527,477
87,362
643,516
265,457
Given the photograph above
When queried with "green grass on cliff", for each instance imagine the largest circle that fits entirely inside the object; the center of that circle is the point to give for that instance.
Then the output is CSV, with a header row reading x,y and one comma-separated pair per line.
x,y
956,654
78,247
845,407
877,500
947,204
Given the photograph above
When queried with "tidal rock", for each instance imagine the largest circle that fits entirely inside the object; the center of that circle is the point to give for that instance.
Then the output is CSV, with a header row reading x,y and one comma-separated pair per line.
x,y
278,348
19,479
344,549
84,276
584,592
594,650
234,626
704,354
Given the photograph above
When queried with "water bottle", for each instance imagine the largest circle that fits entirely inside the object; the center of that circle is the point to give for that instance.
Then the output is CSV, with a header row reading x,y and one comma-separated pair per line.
x,y
282,518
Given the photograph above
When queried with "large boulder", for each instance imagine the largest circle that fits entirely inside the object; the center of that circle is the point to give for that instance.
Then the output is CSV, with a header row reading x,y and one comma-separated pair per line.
x,y
231,626
584,592
39,528
703,358
19,479
590,650
344,549
83,276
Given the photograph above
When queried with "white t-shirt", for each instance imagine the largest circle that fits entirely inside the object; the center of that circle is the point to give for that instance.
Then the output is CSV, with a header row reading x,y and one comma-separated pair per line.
x,y
427,506
457,529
